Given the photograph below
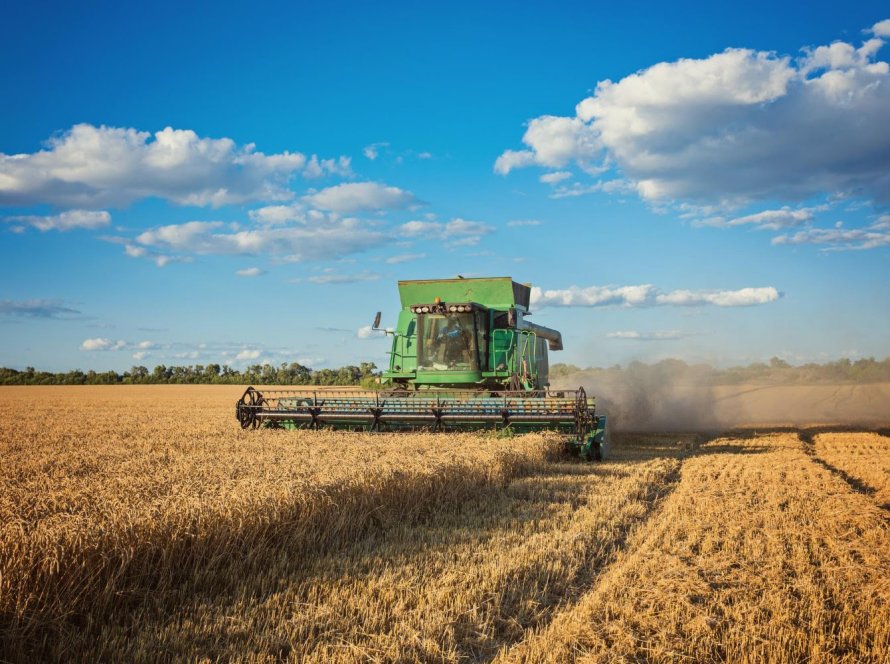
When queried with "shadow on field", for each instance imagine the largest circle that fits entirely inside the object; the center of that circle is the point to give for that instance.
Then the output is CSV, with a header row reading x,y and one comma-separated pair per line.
x,y
258,579
521,596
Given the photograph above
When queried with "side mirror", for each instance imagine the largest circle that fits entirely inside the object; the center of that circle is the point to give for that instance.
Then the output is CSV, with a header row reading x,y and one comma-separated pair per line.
x,y
376,324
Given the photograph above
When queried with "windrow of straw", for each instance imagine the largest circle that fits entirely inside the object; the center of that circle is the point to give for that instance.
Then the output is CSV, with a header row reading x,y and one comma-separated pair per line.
x,y
102,506
863,458
760,554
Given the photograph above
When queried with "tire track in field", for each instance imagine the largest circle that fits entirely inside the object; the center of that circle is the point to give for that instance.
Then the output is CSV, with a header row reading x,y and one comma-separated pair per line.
x,y
596,566
756,556
656,495
809,446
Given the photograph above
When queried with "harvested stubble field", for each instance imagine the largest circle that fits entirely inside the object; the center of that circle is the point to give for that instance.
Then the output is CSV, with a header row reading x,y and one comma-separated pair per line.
x,y
141,524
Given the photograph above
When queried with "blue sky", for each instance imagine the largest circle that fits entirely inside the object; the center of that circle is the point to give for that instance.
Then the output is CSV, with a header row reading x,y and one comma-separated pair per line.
x,y
245,183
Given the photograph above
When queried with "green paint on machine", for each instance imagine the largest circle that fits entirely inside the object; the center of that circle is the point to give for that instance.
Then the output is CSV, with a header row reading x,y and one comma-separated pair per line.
x,y
463,356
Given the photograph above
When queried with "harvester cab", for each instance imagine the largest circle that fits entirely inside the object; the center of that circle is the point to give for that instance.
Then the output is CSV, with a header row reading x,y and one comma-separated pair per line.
x,y
463,356
468,333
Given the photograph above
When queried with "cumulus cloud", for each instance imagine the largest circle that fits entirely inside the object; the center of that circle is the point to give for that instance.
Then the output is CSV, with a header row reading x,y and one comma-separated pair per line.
x,y
372,151
368,332
555,177
657,335
159,259
354,196
744,297
65,221
840,238
765,220
279,214
100,343
615,185
250,272
515,223
330,238
91,166
316,168
553,142
647,295
37,309
404,258
331,277
247,354
455,233
741,125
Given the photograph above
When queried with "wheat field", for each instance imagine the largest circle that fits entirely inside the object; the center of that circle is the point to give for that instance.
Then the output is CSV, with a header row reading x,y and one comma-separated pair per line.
x,y
142,524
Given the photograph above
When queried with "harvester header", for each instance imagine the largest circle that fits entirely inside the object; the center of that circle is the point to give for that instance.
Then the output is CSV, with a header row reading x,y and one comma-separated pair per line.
x,y
463,356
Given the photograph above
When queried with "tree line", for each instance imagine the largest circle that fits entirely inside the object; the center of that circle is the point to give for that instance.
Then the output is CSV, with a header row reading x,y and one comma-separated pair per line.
x,y
212,374
866,370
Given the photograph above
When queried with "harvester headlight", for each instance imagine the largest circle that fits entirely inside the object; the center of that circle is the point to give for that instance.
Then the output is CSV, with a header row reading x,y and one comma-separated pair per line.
x,y
425,310
452,308
461,308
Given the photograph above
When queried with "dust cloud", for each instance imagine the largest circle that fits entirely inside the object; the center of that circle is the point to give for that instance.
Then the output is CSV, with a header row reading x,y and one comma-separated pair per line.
x,y
674,396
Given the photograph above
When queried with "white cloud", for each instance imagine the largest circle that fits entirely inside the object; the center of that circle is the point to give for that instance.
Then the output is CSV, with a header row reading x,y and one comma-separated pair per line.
x,y
404,258
523,222
647,295
250,272
278,214
355,196
882,28
90,166
554,142
37,309
842,239
455,233
594,296
740,125
327,239
555,177
248,354
140,355
316,168
100,343
372,151
616,185
335,278
161,260
765,220
66,221
657,335
744,297
368,332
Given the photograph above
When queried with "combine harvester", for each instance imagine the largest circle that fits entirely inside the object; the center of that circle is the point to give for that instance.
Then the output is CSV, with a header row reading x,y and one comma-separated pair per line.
x,y
464,357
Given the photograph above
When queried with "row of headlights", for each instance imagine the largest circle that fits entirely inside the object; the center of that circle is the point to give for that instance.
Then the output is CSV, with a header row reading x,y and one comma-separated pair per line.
x,y
452,308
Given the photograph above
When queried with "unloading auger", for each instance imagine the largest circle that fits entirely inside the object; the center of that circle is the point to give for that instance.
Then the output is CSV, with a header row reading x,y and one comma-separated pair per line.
x,y
464,357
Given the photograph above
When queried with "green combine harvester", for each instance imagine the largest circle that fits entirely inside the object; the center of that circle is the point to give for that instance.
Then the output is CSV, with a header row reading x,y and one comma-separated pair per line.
x,y
464,357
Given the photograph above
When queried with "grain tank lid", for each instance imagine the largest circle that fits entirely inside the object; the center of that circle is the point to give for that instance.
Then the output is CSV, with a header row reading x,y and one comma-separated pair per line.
x,y
495,292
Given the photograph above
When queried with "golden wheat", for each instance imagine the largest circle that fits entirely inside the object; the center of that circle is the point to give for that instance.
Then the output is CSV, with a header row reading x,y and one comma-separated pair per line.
x,y
141,524
864,457
758,555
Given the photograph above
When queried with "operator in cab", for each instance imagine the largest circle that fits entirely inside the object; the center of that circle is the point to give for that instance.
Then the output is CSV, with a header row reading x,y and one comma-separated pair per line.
x,y
456,342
